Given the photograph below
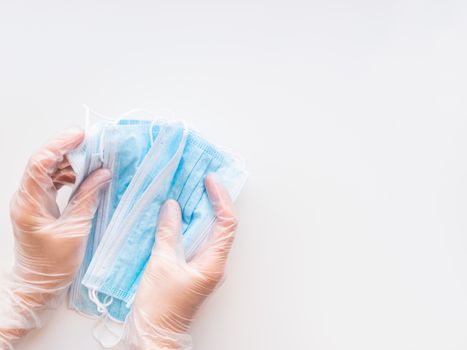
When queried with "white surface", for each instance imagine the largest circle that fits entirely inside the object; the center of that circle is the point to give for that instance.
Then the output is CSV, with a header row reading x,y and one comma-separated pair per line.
x,y
351,116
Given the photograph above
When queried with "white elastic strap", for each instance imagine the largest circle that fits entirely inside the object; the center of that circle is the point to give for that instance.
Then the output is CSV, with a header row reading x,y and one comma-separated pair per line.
x,y
87,116
89,111
140,111
101,306
103,332
101,145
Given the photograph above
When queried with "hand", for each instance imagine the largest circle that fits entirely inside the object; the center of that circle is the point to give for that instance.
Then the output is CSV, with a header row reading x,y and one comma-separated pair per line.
x,y
172,289
49,245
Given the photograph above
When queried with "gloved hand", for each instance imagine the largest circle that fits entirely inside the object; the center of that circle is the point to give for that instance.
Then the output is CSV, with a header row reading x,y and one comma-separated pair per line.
x,y
49,245
172,289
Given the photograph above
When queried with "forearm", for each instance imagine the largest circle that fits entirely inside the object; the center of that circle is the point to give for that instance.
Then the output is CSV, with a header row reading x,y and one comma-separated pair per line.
x,y
15,320
22,309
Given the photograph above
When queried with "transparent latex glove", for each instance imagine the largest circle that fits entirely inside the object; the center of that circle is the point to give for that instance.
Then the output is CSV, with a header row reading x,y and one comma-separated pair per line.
x,y
49,245
172,289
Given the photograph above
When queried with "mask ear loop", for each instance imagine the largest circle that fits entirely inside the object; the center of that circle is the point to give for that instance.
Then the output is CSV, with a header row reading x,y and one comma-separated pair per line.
x,y
138,110
101,306
87,123
101,145
89,111
104,320
87,116
154,120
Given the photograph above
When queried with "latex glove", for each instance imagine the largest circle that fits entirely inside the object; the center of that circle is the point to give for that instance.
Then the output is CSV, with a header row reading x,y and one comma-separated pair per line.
x,y
49,245
172,289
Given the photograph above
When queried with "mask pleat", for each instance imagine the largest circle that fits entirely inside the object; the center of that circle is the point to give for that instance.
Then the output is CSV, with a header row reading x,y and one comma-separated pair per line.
x,y
153,161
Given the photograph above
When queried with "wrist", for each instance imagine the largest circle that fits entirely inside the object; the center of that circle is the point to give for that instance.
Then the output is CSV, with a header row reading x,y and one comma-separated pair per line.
x,y
22,309
16,320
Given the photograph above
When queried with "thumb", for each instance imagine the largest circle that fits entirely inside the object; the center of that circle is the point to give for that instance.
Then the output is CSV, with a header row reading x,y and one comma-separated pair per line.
x,y
211,258
169,228
86,199
163,253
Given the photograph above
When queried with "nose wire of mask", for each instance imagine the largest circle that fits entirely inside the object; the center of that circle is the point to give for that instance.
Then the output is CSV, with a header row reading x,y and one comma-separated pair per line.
x,y
151,161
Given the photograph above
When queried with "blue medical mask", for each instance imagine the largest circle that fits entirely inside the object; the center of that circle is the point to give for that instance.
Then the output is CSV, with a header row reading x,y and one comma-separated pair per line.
x,y
84,160
120,147
175,168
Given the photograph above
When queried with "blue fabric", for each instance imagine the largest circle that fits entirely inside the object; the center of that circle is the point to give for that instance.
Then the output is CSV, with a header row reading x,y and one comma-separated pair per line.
x,y
168,162
121,148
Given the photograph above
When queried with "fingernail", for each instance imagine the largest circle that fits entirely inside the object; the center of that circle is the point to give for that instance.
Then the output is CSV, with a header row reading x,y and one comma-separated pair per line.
x,y
212,187
73,131
104,175
211,177
210,181
169,206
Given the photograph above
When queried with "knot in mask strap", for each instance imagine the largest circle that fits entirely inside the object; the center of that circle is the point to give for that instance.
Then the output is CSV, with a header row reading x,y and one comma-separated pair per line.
x,y
101,306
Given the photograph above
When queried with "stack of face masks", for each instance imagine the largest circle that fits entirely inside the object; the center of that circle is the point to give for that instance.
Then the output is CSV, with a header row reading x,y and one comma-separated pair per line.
x,y
151,162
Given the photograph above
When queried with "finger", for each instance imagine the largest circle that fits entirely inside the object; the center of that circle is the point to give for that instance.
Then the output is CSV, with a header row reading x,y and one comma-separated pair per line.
x,y
86,199
169,228
64,164
64,177
65,171
37,181
212,258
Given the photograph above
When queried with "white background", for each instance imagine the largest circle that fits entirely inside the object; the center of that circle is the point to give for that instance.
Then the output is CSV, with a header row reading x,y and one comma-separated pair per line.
x,y
351,116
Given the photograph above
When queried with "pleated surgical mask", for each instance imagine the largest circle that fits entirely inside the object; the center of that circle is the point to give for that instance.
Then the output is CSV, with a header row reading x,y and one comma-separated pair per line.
x,y
173,166
120,147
